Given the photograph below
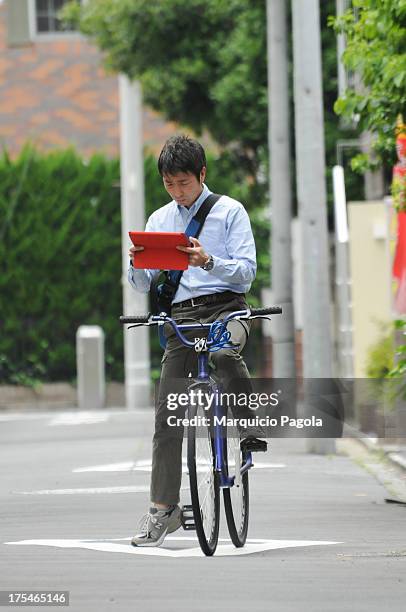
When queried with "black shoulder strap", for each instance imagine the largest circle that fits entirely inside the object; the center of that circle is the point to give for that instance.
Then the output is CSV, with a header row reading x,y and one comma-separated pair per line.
x,y
195,226
165,292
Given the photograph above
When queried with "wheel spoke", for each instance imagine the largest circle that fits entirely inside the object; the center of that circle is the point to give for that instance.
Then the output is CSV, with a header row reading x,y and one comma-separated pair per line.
x,y
204,500
203,480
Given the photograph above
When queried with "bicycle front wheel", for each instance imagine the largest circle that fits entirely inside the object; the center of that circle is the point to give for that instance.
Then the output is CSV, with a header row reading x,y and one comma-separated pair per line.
x,y
204,481
236,498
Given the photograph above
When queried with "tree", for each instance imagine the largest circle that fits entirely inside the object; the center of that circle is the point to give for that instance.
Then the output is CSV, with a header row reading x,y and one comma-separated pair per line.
x,y
376,41
202,63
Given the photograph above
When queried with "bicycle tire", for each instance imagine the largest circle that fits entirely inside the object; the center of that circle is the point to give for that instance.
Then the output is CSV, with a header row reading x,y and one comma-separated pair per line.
x,y
236,498
207,527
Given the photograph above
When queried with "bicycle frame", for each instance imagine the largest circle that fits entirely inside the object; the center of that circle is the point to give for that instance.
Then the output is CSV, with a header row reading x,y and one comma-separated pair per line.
x,y
221,467
219,450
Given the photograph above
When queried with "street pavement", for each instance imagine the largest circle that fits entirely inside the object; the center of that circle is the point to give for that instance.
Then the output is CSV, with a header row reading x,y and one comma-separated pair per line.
x,y
74,486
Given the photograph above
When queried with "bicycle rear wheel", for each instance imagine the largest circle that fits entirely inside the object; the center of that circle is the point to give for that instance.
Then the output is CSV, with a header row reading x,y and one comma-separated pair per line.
x,y
204,482
236,498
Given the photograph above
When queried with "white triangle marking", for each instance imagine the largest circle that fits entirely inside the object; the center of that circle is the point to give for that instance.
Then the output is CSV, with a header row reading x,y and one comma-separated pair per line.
x,y
223,550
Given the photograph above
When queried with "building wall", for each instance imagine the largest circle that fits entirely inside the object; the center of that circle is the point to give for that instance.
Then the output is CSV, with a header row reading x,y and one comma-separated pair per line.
x,y
370,271
55,93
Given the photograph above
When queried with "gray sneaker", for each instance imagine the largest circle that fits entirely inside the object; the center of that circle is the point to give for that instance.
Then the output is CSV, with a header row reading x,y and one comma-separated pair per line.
x,y
155,526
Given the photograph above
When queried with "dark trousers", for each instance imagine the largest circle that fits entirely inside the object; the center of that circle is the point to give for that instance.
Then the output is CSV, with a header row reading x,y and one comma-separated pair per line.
x,y
177,362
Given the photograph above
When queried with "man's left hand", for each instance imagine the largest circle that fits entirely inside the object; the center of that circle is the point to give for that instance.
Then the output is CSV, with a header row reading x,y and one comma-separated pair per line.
x,y
197,254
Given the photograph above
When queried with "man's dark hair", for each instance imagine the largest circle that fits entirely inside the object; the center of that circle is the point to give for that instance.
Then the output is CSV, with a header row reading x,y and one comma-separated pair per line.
x,y
181,154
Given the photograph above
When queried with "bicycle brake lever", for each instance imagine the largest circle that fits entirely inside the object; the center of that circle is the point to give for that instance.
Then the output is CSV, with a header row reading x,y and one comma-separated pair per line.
x,y
149,324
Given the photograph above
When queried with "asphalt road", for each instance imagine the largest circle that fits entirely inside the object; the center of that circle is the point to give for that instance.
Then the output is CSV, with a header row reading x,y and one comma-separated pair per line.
x,y
74,486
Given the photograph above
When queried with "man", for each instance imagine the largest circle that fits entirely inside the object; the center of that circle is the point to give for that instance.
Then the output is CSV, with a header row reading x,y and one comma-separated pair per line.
x,y
222,266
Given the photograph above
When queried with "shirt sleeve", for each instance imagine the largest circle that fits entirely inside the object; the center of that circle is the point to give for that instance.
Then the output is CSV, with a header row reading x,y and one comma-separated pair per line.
x,y
140,279
241,266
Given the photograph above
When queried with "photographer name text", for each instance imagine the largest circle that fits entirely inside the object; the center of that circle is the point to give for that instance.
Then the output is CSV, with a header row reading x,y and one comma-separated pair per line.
x,y
282,420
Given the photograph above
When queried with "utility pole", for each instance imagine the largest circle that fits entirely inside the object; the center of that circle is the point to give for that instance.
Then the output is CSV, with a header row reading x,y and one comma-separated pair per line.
x,y
136,344
283,329
374,184
341,7
312,199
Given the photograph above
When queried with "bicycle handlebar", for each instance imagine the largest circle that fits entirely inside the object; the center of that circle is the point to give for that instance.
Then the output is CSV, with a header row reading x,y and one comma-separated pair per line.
x,y
248,313
266,311
137,319
149,318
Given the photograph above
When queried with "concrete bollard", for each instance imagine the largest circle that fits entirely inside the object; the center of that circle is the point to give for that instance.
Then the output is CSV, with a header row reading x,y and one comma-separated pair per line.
x,y
90,367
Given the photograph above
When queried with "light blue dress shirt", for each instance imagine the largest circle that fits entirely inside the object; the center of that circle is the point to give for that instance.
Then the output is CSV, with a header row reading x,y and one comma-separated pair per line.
x,y
226,235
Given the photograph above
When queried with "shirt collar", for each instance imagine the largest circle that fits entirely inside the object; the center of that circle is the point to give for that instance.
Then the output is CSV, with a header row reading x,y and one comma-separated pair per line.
x,y
197,203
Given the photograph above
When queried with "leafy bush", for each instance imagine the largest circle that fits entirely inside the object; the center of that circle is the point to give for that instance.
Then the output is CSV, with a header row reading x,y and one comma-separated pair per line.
x,y
387,365
380,357
398,372
60,247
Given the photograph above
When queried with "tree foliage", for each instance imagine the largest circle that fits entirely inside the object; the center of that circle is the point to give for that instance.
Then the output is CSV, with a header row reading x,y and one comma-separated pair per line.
x,y
202,63
375,32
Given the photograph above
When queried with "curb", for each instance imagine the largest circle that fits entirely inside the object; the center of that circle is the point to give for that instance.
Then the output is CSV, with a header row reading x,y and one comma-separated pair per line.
x,y
372,443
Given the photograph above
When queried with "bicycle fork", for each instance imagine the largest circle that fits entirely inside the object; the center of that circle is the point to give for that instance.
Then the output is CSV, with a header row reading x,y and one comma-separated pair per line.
x,y
220,440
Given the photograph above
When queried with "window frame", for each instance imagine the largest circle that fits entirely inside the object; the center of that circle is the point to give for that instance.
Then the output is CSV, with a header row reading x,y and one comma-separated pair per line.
x,y
48,36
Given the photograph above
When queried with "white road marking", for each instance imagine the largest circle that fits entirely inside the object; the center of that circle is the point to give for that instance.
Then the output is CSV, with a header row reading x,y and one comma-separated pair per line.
x,y
262,466
145,465
126,466
24,416
129,489
82,417
90,491
32,415
223,550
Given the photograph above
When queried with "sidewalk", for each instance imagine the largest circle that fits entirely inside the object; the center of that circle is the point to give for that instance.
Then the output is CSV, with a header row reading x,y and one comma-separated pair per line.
x,y
394,449
394,452
380,460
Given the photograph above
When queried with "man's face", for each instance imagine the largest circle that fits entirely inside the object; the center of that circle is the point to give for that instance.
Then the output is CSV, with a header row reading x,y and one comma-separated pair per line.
x,y
184,187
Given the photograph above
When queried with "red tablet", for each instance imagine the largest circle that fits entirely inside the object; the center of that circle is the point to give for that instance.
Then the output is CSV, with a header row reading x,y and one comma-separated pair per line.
x,y
160,252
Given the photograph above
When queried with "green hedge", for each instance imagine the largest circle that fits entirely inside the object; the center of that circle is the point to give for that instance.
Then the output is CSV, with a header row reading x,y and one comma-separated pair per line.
x,y
60,248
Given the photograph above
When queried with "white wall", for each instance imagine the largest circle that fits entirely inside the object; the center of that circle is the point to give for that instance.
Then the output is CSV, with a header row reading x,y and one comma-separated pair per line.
x,y
371,276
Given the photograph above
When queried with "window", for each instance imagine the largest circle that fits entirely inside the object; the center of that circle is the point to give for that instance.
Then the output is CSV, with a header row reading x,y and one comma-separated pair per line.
x,y
46,16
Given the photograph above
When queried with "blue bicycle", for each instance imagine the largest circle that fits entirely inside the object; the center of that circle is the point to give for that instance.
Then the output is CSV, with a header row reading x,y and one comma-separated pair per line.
x,y
215,457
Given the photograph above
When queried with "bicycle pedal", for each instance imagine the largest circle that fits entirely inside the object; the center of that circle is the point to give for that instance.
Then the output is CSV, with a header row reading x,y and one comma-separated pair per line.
x,y
187,518
254,445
